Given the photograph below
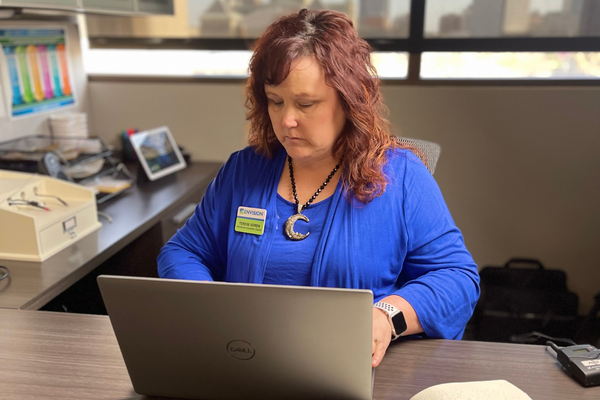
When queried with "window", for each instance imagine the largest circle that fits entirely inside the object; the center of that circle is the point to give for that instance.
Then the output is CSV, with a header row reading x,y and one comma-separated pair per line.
x,y
509,65
511,40
414,41
249,18
512,18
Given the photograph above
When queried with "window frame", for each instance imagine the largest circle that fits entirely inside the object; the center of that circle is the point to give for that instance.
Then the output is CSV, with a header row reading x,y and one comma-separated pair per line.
x,y
415,44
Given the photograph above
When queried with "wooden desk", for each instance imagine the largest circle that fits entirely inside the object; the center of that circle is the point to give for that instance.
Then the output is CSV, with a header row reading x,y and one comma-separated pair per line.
x,y
31,285
47,355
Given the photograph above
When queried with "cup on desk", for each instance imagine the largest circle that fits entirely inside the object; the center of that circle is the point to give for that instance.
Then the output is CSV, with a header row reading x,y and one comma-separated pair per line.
x,y
69,125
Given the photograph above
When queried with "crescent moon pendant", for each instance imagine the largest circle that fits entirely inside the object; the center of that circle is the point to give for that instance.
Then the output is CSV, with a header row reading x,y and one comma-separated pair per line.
x,y
289,227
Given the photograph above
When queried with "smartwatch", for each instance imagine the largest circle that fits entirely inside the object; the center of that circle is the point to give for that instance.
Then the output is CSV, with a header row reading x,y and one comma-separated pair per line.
x,y
395,317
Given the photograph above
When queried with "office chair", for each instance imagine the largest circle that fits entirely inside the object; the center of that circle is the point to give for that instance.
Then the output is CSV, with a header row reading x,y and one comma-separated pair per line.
x,y
428,152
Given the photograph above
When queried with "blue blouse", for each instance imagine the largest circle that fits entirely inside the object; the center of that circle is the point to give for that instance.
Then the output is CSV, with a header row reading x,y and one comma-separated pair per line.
x,y
290,262
403,242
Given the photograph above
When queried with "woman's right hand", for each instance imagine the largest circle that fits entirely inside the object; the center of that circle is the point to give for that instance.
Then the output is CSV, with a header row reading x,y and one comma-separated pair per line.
x,y
382,336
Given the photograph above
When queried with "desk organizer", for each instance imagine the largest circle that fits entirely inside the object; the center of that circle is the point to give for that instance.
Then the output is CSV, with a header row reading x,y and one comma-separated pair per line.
x,y
79,160
66,213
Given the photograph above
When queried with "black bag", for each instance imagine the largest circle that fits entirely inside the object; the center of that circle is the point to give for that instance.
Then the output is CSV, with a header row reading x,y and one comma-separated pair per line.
x,y
520,297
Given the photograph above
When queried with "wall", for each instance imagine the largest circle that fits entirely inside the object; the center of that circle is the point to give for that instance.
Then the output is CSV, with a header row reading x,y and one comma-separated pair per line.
x,y
38,124
519,169
207,119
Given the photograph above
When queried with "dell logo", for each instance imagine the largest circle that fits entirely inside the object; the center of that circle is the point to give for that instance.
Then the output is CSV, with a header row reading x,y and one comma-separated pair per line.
x,y
240,350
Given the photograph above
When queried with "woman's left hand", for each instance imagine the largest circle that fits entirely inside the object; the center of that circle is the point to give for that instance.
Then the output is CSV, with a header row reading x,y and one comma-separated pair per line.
x,y
382,336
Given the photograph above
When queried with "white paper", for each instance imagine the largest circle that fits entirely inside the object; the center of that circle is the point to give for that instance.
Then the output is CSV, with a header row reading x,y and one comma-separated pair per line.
x,y
483,390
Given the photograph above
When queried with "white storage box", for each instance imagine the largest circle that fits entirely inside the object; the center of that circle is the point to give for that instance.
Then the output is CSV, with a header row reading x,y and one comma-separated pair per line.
x,y
34,233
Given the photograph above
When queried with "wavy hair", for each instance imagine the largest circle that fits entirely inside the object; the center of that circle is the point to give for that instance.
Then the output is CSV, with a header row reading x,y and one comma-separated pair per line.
x,y
329,37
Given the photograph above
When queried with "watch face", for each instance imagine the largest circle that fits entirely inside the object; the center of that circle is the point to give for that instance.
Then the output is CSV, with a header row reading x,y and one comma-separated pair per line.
x,y
399,323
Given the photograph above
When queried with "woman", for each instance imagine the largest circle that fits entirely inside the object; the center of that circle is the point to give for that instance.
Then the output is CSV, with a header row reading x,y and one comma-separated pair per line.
x,y
335,202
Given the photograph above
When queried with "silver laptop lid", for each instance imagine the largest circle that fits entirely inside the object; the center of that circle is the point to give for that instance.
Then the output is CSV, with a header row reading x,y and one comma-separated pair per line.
x,y
209,340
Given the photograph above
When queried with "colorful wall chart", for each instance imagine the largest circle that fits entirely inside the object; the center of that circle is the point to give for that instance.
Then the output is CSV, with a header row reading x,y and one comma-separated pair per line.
x,y
38,70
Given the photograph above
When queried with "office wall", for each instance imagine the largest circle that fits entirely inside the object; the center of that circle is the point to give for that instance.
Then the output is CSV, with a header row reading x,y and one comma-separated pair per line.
x,y
520,171
520,167
207,119
38,124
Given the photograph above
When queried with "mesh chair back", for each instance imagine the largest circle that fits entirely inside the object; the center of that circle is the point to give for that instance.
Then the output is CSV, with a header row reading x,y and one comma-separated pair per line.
x,y
428,152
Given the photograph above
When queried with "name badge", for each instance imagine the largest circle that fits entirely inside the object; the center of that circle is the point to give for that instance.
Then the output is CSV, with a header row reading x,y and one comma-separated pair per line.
x,y
250,220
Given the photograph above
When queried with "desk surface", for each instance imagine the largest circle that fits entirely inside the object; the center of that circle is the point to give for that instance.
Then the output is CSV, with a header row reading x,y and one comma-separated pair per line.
x,y
33,284
47,355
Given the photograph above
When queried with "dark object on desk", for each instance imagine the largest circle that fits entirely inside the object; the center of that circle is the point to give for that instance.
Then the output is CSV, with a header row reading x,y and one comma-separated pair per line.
x,y
520,297
589,330
540,339
581,361
128,153
187,156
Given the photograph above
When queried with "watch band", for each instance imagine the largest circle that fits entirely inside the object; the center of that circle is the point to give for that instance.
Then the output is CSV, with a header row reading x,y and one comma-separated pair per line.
x,y
395,317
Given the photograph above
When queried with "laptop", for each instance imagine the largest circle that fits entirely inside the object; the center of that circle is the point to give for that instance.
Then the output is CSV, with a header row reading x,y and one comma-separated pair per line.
x,y
215,340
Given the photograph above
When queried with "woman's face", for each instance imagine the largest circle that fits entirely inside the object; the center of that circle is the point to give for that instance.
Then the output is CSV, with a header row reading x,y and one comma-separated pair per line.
x,y
306,113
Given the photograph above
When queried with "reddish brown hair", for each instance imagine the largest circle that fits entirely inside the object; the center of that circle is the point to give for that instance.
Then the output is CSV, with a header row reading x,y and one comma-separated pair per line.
x,y
330,37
